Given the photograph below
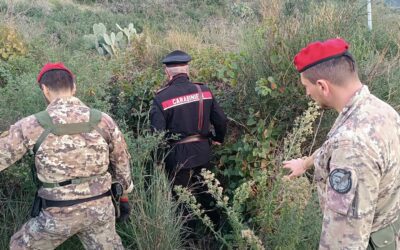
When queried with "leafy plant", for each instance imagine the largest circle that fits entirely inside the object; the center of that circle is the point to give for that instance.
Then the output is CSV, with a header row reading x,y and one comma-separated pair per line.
x,y
218,66
252,152
242,10
265,87
241,236
109,44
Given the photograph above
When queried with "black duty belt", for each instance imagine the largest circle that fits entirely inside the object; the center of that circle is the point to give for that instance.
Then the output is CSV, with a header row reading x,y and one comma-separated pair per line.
x,y
192,138
67,203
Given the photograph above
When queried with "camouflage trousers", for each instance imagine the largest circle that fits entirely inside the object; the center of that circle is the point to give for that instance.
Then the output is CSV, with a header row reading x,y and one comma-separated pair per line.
x,y
93,222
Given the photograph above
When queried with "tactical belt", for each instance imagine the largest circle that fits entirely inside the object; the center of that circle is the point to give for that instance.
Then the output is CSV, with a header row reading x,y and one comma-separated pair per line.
x,y
68,182
192,138
67,203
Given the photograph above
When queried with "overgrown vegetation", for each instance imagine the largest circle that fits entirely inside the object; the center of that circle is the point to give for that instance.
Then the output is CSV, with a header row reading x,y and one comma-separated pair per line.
x,y
244,51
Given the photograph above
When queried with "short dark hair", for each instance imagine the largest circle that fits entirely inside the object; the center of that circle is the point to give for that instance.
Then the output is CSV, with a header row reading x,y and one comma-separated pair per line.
x,y
336,70
57,80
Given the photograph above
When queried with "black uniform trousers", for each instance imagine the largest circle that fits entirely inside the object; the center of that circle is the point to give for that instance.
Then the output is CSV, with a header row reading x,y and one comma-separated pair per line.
x,y
193,180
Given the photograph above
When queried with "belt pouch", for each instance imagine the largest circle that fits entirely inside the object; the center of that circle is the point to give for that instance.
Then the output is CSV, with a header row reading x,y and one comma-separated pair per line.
x,y
383,239
116,193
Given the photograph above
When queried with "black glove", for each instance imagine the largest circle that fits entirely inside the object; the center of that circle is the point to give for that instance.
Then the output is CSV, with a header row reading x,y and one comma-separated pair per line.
x,y
125,210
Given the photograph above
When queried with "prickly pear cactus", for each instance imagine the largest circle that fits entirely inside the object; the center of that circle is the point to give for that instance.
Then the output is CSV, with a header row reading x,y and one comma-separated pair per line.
x,y
129,32
95,40
109,44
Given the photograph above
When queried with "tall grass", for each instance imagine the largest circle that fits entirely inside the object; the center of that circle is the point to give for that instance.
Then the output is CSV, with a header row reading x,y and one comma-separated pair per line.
x,y
16,195
156,221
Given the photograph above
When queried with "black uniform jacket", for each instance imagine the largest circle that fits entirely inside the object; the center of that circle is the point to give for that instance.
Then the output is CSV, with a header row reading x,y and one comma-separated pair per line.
x,y
175,109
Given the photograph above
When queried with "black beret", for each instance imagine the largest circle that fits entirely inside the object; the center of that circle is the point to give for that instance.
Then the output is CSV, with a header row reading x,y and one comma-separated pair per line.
x,y
176,57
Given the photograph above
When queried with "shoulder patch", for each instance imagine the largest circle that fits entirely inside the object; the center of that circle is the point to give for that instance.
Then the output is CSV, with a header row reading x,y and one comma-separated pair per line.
x,y
340,180
4,134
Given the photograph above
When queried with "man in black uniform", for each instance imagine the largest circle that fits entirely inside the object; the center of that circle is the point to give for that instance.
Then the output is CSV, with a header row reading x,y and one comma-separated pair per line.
x,y
187,109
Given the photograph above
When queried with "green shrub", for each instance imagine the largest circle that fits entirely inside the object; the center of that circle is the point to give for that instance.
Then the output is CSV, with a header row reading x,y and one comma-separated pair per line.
x,y
11,43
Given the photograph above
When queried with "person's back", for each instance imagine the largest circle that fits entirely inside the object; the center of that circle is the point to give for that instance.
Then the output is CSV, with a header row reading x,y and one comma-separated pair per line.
x,y
188,110
74,147
57,157
180,105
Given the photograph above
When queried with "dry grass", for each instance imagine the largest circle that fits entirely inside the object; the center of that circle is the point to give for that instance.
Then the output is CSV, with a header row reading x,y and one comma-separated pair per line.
x,y
222,33
270,9
175,39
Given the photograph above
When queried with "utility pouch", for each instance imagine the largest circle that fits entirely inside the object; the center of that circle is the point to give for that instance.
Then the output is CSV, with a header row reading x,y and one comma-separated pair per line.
x,y
116,193
36,206
383,239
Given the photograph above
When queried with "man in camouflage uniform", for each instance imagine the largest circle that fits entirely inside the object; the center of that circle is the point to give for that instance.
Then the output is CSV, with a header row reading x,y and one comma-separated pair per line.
x,y
357,169
73,169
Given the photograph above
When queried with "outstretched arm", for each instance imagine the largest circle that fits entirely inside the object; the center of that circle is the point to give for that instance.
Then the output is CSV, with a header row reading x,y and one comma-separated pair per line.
x,y
299,166
219,121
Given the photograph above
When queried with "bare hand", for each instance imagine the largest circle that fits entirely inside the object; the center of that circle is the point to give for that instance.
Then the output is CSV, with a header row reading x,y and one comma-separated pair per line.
x,y
216,143
297,167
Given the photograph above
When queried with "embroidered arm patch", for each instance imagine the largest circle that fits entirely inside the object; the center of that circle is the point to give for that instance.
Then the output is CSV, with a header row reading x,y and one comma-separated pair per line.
x,y
340,180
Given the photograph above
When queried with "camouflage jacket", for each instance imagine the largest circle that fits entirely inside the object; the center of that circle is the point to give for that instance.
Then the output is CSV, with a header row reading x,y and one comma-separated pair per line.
x,y
357,171
61,158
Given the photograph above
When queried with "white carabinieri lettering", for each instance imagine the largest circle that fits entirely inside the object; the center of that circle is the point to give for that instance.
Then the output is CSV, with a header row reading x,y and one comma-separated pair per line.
x,y
185,100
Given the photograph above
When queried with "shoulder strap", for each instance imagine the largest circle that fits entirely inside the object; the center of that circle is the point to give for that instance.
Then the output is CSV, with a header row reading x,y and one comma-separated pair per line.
x,y
80,127
46,122
44,119
201,108
94,120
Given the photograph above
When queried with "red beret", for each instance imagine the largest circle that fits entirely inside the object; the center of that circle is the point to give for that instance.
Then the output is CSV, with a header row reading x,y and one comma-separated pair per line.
x,y
53,66
318,52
